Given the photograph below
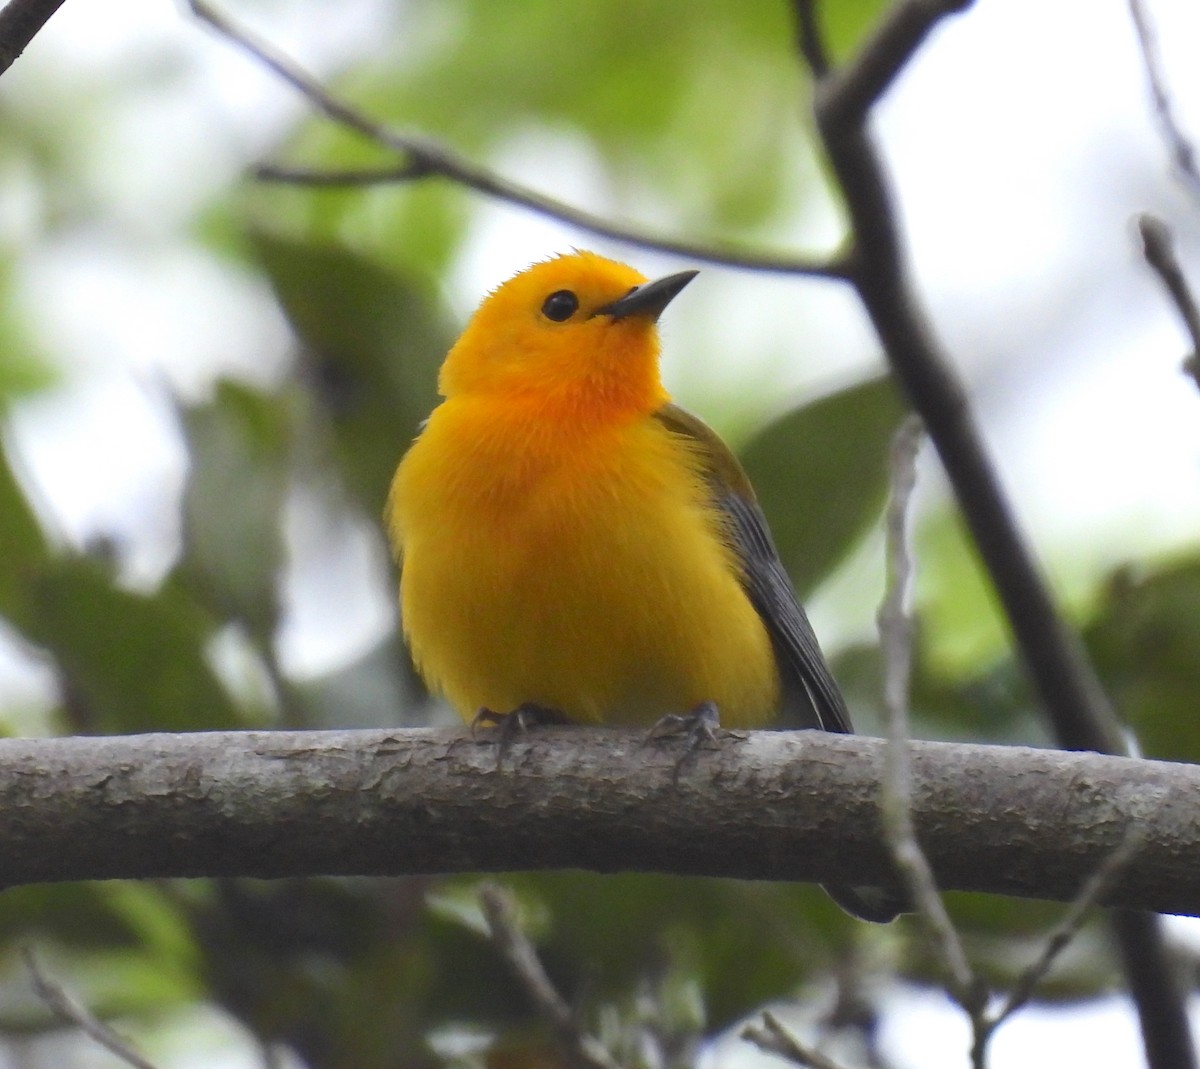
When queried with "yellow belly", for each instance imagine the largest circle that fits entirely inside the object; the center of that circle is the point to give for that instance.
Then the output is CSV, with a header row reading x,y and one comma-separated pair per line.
x,y
589,576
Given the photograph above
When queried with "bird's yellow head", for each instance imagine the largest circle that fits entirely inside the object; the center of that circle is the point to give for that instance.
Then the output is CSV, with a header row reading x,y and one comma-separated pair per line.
x,y
578,331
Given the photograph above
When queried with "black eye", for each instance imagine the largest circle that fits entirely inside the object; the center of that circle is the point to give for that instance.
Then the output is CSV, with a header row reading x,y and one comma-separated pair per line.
x,y
560,306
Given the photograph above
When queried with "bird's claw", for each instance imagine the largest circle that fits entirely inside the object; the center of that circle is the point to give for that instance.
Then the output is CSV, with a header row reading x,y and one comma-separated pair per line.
x,y
698,727
512,724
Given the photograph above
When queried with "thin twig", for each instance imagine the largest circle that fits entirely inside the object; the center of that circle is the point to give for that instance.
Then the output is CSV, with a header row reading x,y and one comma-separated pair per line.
x,y
20,22
271,1054
1158,248
1094,890
771,1036
847,94
499,911
71,1011
1075,702
426,158
1183,153
809,39
1070,690
896,637
1071,693
319,177
431,159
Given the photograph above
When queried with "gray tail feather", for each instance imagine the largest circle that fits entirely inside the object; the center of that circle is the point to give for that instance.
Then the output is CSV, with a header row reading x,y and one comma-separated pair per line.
x,y
868,903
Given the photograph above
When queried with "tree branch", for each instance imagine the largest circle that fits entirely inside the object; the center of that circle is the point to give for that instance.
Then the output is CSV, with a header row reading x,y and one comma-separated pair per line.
x,y
423,157
20,22
768,1034
70,1010
895,640
770,805
582,1050
1158,249
1074,701
846,95
1183,154
1093,891
1062,675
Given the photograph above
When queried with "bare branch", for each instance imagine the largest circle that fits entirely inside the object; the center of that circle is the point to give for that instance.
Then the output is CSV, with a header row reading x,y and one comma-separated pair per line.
x,y
1068,685
1071,693
287,803
895,635
426,158
20,22
1183,153
1157,988
367,176
1095,890
68,1009
1158,248
769,1035
847,94
809,39
582,1049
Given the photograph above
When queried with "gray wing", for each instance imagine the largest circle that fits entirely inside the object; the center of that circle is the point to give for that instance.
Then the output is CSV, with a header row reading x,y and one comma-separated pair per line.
x,y
811,698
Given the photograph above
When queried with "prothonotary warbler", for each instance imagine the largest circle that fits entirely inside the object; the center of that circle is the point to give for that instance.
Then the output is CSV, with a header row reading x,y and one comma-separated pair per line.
x,y
575,545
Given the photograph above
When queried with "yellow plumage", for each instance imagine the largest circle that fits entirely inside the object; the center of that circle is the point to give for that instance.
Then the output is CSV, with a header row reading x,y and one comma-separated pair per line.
x,y
579,568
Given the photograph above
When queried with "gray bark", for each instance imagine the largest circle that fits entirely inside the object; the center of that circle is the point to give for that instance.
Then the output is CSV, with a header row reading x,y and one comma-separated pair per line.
x,y
760,805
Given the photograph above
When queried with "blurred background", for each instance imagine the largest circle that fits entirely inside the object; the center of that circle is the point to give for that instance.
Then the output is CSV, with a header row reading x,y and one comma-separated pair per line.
x,y
206,382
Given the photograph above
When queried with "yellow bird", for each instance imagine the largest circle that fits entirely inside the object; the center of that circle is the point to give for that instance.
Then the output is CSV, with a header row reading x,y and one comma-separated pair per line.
x,y
574,546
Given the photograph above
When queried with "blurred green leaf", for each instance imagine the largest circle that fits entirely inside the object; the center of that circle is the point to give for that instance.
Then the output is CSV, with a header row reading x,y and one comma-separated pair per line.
x,y
1004,936
130,662
1145,640
744,943
847,22
373,342
121,947
961,618
723,152
158,920
26,551
70,913
353,974
820,473
23,367
993,706
379,689
240,449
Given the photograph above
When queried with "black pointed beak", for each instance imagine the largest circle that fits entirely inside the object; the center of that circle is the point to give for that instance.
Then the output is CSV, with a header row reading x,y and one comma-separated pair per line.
x,y
648,300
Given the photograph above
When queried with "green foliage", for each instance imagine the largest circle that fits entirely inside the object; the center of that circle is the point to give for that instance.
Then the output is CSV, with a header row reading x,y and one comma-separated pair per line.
x,y
25,548
1144,637
959,608
821,474
129,661
372,340
698,113
240,448
22,366
847,24
148,673
741,943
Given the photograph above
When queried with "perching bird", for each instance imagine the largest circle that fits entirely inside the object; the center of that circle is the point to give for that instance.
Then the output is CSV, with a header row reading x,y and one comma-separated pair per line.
x,y
574,545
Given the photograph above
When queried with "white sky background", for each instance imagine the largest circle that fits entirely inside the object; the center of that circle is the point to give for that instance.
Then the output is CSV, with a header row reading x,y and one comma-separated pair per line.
x,y
1021,143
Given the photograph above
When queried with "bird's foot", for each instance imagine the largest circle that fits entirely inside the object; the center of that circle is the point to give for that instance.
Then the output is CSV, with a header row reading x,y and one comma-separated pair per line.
x,y
698,727
514,723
